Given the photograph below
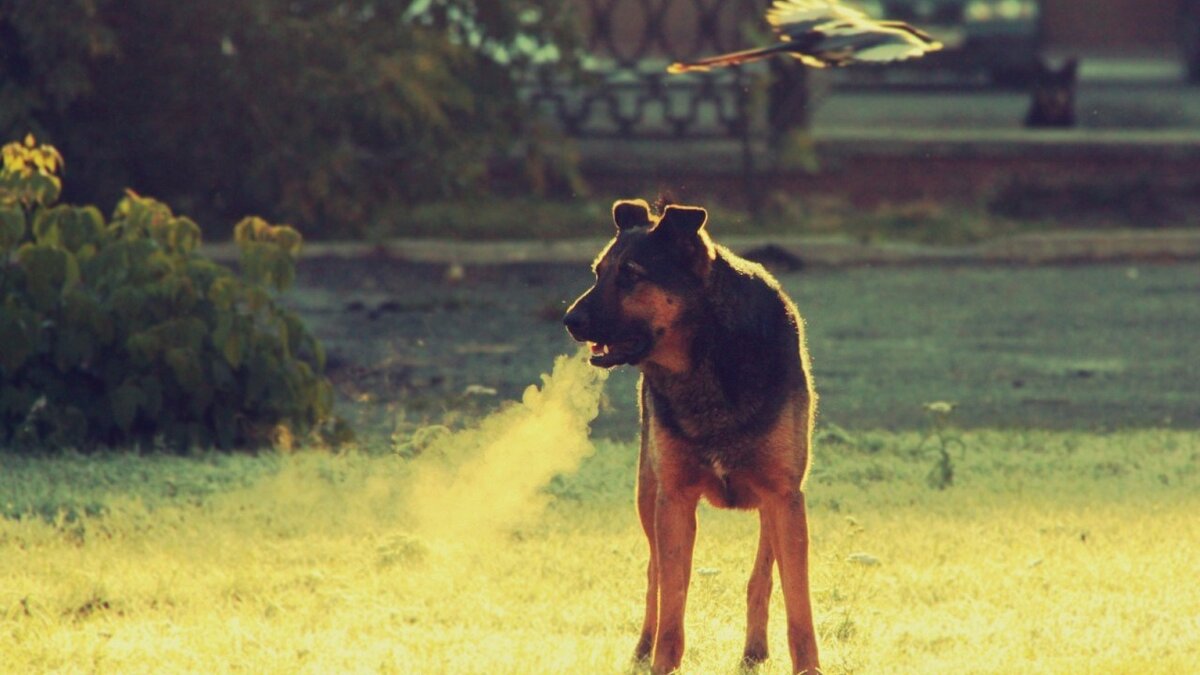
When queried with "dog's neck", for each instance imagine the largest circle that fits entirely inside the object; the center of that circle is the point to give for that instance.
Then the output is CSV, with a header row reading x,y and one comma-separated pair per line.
x,y
677,362
676,372
676,355
673,355
691,403
690,397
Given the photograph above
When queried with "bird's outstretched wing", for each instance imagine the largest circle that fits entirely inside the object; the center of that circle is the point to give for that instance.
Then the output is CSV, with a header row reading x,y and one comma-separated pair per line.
x,y
882,42
824,33
790,17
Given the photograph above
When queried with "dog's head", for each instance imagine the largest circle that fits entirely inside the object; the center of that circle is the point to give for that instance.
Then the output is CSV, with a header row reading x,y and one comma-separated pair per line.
x,y
648,281
1053,102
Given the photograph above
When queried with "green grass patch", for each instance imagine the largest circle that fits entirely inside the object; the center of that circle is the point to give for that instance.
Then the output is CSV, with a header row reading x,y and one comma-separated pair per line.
x,y
1049,552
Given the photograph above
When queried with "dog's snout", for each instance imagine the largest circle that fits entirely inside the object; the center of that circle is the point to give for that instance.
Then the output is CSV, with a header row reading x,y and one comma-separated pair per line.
x,y
576,321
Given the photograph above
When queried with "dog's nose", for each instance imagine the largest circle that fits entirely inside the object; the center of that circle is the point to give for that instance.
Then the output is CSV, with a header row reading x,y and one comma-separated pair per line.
x,y
575,321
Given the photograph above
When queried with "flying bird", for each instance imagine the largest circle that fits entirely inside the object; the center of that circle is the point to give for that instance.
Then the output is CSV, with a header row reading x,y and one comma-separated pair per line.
x,y
824,33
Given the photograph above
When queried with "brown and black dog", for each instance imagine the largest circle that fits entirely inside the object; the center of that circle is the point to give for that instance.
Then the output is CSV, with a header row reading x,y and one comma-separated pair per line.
x,y
1052,101
727,412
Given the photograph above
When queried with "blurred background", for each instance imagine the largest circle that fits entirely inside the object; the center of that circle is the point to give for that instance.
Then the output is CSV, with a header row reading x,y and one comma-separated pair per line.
x,y
485,119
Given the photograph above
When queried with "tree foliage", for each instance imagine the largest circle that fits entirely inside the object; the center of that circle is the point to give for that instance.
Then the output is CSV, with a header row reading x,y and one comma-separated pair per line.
x,y
325,112
119,332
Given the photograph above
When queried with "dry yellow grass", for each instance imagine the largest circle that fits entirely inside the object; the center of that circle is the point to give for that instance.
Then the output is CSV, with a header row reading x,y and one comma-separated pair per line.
x,y
1049,553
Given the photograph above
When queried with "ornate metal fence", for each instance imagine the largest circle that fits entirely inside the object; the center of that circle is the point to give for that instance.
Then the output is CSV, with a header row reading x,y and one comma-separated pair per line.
x,y
628,93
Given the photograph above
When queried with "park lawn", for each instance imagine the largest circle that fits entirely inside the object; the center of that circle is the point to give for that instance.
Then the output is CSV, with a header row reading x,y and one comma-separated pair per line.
x,y
1047,552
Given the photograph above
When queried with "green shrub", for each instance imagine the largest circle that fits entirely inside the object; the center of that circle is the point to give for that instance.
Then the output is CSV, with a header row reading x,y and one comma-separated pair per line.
x,y
119,332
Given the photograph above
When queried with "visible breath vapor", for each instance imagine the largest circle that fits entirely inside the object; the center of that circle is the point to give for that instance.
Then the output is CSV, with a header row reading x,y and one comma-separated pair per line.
x,y
464,488
489,478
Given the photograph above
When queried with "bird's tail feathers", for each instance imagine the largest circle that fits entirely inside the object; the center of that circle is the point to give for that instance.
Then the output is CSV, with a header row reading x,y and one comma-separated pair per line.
x,y
730,59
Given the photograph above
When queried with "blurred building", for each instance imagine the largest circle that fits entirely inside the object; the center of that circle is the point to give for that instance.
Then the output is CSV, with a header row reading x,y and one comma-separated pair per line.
x,y
1134,27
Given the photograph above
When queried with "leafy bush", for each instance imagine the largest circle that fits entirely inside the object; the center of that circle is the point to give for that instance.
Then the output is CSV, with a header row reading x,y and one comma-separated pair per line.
x,y
120,332
330,114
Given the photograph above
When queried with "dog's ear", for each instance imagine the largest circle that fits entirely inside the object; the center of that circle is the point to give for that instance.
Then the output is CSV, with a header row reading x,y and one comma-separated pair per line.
x,y
1070,69
683,226
629,213
687,220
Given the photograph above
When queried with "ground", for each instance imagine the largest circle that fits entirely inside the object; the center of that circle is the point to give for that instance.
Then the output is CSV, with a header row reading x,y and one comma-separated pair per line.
x,y
1047,552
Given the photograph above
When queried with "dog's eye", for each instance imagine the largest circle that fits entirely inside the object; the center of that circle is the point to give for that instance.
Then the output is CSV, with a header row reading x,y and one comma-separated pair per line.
x,y
629,275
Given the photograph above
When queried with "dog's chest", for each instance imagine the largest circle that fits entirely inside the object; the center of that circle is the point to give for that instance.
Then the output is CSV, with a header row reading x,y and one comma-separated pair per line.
x,y
699,416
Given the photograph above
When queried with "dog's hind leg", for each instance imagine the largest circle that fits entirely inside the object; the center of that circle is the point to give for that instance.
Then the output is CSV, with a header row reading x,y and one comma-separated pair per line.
x,y
758,598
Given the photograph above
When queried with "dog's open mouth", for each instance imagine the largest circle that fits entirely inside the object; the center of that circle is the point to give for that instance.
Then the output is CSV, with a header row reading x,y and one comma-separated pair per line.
x,y
618,353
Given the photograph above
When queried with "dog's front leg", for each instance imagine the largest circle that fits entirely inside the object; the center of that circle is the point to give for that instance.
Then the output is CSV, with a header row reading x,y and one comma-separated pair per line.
x,y
758,598
675,535
788,522
647,495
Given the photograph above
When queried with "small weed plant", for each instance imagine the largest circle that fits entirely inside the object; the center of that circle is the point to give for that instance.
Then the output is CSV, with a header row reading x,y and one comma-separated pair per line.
x,y
942,437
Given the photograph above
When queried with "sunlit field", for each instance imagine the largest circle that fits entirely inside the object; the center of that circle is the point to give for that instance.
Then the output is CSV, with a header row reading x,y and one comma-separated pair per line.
x,y
514,548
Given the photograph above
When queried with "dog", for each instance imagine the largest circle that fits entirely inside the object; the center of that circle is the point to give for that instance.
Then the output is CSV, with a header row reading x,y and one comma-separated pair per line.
x,y
727,407
1052,97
